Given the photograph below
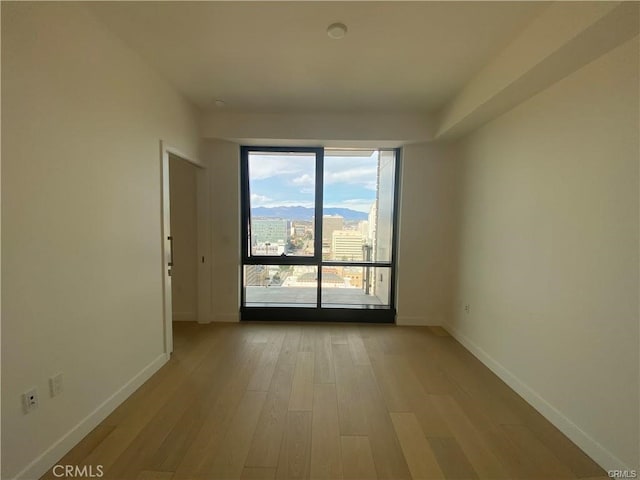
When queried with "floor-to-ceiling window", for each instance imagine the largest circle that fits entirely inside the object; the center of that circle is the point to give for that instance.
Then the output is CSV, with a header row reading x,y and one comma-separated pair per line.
x,y
318,233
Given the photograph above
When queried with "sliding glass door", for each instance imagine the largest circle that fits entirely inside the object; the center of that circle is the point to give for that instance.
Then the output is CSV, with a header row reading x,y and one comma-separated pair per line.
x,y
318,234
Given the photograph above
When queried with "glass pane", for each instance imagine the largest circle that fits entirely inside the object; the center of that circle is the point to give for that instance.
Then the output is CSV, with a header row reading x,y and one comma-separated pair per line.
x,y
357,211
280,285
350,286
282,201
383,237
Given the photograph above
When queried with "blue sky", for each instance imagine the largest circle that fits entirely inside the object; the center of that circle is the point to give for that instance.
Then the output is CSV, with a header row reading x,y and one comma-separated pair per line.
x,y
288,180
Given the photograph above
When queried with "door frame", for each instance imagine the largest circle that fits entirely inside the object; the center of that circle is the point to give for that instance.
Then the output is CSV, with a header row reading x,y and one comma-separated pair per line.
x,y
165,232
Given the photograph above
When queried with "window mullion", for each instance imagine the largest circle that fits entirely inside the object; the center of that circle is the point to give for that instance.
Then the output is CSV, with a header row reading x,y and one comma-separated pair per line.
x,y
318,221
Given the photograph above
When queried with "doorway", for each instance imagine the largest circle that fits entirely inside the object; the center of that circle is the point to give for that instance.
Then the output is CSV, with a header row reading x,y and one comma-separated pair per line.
x,y
184,239
319,234
182,176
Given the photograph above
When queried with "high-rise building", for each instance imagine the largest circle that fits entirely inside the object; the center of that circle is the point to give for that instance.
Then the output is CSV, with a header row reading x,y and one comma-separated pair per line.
x,y
269,230
331,223
373,226
300,228
363,228
346,245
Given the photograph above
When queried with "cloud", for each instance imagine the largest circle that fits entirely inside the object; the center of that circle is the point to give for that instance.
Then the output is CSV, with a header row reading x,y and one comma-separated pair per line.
x,y
267,166
287,203
359,204
348,170
354,201
304,179
259,200
351,171
348,180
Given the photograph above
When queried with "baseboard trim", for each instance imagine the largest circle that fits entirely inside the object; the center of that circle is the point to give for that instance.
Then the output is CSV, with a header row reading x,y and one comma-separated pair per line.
x,y
184,316
589,445
227,318
416,321
62,446
405,320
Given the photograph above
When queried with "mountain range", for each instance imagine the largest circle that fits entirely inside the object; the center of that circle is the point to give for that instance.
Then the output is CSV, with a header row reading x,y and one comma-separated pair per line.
x,y
305,213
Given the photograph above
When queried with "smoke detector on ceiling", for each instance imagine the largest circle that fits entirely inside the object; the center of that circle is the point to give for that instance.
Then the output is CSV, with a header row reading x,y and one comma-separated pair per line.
x,y
337,30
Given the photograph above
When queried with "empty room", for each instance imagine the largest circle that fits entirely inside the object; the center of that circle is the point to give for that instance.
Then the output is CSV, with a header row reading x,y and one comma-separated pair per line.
x,y
323,240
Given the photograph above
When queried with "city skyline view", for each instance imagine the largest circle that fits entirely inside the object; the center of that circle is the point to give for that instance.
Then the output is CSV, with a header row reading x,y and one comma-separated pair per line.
x,y
355,227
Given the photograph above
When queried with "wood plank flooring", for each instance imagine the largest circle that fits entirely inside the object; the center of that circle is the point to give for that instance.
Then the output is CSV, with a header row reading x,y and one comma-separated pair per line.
x,y
300,401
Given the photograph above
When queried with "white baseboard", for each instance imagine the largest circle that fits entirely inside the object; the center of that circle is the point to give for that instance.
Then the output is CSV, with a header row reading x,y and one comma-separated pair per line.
x,y
589,445
417,321
184,316
61,447
227,318
203,316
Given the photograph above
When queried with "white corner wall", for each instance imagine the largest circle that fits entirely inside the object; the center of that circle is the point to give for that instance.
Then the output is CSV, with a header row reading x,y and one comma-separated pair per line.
x,y
82,118
427,234
222,160
549,253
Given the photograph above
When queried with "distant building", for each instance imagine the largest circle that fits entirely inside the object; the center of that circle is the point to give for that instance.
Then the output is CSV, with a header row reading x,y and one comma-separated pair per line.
x,y
347,245
297,230
333,269
269,230
255,275
326,251
331,223
354,276
373,227
268,248
363,228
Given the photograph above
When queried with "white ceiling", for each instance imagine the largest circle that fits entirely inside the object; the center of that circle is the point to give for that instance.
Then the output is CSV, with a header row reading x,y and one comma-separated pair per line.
x,y
277,57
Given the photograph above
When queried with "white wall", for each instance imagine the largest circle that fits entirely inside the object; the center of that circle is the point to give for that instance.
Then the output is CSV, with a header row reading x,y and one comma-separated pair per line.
x,y
428,209
564,37
184,232
339,129
81,247
549,253
223,162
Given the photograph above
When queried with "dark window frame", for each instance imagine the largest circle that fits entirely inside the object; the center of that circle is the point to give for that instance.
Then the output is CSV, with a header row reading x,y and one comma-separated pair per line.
x,y
317,313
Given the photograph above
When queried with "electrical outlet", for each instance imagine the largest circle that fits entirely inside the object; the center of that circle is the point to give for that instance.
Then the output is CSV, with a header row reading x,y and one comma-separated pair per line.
x,y
55,385
467,308
30,400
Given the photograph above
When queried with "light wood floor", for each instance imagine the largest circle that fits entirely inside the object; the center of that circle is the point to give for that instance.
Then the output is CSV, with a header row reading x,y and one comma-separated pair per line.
x,y
254,401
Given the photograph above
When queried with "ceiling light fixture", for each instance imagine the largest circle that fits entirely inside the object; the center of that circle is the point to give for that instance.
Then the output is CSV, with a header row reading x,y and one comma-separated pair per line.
x,y
220,103
337,30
